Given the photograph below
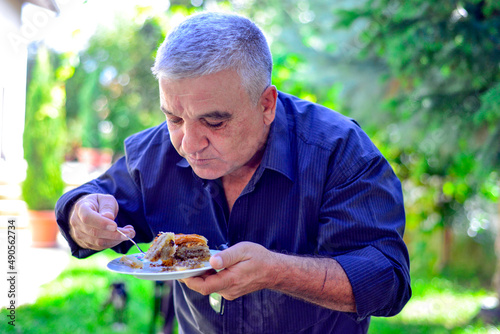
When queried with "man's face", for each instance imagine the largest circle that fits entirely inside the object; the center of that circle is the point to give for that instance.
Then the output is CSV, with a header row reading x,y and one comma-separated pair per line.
x,y
214,125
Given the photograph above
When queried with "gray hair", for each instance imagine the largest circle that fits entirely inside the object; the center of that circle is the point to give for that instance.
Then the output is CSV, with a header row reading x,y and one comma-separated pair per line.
x,y
211,42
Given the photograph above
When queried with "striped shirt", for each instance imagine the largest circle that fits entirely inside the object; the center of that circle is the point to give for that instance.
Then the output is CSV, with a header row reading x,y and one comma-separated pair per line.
x,y
322,189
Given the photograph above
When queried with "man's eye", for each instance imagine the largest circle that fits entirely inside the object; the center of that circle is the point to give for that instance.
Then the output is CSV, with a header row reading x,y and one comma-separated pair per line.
x,y
175,120
214,125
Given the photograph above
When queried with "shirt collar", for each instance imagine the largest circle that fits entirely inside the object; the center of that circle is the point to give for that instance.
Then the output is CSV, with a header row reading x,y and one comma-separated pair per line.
x,y
277,155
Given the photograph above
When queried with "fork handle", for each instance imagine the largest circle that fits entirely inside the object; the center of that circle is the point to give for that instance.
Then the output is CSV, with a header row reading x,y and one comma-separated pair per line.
x,y
126,236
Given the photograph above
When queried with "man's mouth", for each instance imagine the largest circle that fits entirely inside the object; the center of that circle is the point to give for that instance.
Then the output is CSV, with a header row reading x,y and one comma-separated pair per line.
x,y
198,161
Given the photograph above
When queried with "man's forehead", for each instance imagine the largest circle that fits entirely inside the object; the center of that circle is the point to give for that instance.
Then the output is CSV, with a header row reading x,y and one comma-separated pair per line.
x,y
197,100
179,91
216,94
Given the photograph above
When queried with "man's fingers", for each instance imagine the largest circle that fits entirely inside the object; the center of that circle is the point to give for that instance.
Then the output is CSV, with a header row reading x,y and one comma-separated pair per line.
x,y
96,230
91,242
92,225
128,230
203,276
223,279
208,284
244,272
93,219
107,206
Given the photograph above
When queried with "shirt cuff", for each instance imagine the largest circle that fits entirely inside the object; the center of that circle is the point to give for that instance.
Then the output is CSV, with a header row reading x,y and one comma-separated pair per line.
x,y
372,279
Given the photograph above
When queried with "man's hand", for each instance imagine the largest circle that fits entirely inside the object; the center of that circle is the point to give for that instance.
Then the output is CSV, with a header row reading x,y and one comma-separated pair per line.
x,y
91,222
248,267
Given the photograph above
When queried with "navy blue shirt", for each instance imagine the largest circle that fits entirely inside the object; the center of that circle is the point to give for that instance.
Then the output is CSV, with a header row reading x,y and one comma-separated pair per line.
x,y
322,189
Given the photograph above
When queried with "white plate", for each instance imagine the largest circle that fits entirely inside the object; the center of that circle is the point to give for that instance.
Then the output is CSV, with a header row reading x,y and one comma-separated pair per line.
x,y
154,274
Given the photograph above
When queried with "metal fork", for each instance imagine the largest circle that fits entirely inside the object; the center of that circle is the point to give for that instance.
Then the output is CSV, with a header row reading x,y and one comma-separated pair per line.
x,y
136,245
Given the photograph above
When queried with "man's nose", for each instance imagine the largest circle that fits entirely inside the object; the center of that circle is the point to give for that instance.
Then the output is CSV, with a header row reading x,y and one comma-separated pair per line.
x,y
194,139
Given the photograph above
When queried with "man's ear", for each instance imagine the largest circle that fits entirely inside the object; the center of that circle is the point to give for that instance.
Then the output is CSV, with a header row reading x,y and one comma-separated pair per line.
x,y
268,101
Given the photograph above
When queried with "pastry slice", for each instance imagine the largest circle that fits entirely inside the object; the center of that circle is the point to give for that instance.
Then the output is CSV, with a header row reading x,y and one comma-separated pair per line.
x,y
131,261
162,248
191,246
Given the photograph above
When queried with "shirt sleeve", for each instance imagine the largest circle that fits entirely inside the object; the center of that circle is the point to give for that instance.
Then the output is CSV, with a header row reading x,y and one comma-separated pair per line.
x,y
362,223
116,181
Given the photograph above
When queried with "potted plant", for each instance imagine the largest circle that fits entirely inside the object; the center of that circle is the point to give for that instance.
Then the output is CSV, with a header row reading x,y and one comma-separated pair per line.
x,y
43,142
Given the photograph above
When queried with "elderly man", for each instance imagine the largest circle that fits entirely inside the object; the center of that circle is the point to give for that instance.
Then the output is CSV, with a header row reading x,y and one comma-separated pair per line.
x,y
311,212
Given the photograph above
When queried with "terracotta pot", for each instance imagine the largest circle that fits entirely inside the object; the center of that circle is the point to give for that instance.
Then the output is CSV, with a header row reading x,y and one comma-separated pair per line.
x,y
44,228
94,157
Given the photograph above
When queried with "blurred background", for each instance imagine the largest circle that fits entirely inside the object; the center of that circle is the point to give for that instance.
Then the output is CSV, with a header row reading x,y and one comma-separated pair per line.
x,y
421,77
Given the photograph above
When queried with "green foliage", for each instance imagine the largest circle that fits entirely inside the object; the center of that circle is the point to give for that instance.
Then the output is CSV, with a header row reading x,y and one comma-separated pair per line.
x,y
434,67
442,103
490,106
301,42
438,305
73,302
112,93
44,136
438,127
443,62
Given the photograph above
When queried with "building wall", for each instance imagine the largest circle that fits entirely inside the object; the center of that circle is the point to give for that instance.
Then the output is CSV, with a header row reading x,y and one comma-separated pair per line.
x,y
13,61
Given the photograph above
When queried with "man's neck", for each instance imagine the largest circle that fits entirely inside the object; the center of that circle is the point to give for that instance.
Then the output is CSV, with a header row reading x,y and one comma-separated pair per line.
x,y
235,182
233,188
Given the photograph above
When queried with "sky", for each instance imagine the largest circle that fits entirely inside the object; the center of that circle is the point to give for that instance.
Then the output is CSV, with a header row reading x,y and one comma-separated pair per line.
x,y
77,20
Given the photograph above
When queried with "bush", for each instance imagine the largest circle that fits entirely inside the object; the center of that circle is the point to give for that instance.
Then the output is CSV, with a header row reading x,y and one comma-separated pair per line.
x,y
43,137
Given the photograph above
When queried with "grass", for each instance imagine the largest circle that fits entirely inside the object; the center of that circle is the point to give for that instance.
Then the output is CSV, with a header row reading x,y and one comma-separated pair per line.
x,y
438,306
73,302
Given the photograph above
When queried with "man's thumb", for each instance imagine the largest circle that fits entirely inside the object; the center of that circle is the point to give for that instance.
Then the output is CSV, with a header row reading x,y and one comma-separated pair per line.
x,y
228,257
216,262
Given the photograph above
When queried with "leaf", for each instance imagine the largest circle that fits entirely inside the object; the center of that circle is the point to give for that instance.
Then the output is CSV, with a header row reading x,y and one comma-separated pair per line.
x,y
345,17
490,107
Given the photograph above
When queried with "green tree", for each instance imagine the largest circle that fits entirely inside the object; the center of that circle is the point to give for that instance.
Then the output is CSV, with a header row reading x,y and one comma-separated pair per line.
x,y
443,98
433,145
443,63
334,54
44,134
113,93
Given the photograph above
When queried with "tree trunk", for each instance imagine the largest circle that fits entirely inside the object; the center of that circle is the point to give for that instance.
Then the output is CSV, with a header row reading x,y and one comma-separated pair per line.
x,y
496,277
446,247
491,314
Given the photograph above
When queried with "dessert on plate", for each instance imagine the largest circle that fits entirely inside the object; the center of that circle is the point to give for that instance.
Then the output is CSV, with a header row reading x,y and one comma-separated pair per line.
x,y
190,246
172,252
162,248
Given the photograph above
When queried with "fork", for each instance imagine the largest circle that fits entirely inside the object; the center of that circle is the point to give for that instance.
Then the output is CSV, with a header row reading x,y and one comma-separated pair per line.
x,y
136,245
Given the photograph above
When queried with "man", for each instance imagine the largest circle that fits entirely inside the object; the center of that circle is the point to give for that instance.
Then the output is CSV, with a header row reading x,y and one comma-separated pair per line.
x,y
311,211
